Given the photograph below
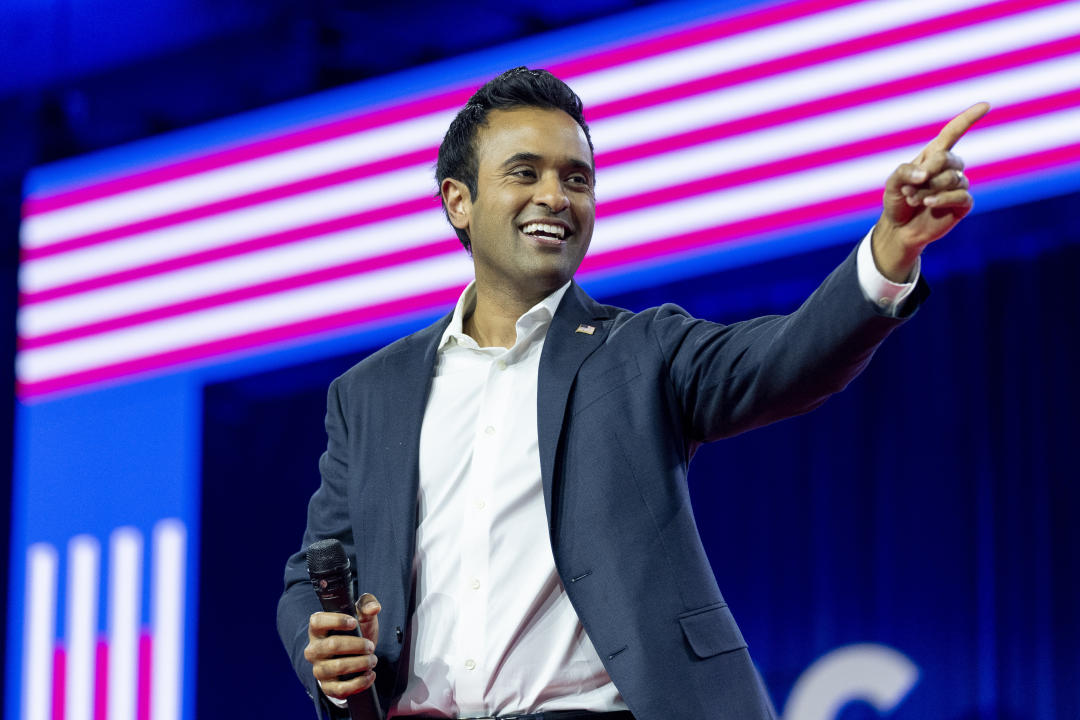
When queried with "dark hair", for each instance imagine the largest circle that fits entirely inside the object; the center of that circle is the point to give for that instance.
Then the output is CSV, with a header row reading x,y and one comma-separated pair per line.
x,y
520,87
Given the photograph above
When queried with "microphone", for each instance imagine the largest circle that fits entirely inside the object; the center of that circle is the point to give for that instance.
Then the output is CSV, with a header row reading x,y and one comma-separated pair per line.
x,y
328,568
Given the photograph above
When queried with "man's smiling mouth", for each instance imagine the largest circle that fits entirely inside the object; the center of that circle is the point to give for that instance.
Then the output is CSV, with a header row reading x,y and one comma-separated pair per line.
x,y
544,231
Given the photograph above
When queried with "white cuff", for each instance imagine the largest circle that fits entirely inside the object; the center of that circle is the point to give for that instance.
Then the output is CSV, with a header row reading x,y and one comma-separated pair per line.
x,y
338,702
878,289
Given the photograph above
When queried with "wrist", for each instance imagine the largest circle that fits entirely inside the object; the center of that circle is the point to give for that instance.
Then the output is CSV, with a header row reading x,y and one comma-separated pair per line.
x,y
893,258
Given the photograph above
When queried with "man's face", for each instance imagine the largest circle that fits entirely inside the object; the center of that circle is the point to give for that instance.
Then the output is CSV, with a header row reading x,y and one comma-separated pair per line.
x,y
532,218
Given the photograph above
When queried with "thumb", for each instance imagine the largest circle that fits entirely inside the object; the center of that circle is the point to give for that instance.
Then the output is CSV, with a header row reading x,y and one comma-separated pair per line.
x,y
367,610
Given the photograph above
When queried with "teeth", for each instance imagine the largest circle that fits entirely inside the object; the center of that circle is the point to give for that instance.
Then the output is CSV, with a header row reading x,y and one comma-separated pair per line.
x,y
535,227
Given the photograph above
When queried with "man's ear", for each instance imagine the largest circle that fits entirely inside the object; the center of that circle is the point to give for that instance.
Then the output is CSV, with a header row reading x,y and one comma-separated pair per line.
x,y
457,201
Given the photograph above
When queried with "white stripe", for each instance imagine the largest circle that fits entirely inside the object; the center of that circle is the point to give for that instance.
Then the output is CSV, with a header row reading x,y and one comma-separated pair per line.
x,y
167,600
226,321
427,130
650,223
225,229
233,180
242,271
757,46
39,632
639,176
919,57
125,615
81,627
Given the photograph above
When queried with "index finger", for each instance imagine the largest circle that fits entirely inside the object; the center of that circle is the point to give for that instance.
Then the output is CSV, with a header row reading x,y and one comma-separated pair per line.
x,y
955,128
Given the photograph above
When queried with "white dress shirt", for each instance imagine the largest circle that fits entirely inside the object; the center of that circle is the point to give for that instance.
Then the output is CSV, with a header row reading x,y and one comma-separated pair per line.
x,y
494,631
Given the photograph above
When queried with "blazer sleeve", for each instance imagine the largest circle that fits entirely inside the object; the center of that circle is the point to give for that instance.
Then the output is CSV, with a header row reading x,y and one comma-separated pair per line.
x,y
732,378
327,517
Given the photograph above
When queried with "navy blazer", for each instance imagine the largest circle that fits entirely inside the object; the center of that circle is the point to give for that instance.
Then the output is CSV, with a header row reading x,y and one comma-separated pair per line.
x,y
620,413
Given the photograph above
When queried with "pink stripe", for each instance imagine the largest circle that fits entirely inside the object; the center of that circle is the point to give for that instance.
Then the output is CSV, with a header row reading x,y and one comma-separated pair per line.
x,y
241,247
726,26
35,205
101,681
279,192
815,56
441,102
146,649
363,266
357,316
860,202
59,682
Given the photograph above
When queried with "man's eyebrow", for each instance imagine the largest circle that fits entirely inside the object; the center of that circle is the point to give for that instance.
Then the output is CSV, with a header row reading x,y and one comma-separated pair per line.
x,y
521,157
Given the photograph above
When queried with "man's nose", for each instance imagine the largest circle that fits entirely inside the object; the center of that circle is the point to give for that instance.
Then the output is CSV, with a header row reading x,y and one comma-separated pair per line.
x,y
551,193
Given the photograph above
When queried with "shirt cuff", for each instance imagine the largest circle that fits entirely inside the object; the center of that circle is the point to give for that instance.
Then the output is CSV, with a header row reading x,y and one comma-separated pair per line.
x,y
338,702
878,289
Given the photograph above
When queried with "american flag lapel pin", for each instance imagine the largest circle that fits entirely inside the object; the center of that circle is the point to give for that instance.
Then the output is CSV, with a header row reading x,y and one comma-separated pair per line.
x,y
585,329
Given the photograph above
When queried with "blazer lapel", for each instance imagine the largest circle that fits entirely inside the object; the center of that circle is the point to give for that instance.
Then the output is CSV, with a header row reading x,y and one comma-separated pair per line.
x,y
577,329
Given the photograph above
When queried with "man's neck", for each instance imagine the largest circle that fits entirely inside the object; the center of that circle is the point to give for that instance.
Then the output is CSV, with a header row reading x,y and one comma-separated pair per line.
x,y
493,320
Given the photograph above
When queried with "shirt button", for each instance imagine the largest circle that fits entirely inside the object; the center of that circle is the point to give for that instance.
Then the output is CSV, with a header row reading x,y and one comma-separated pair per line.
x,y
470,664
480,504
489,430
884,302
501,364
475,584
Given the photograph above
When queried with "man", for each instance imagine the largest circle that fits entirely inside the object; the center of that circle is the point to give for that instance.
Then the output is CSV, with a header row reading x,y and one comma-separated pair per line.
x,y
511,482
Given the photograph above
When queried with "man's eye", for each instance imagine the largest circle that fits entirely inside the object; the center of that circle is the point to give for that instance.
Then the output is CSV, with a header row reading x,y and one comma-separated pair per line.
x,y
524,172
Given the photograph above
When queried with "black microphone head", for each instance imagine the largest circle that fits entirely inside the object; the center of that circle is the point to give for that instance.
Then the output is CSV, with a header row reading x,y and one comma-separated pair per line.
x,y
326,556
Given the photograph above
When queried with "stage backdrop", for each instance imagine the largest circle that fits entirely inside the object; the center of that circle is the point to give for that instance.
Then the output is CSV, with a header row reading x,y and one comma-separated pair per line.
x,y
908,548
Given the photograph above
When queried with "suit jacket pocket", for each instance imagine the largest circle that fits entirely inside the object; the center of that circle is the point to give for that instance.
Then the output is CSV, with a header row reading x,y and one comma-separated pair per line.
x,y
711,631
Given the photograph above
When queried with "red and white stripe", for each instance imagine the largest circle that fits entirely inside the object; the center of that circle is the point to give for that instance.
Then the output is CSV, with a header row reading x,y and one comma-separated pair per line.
x,y
130,672
705,135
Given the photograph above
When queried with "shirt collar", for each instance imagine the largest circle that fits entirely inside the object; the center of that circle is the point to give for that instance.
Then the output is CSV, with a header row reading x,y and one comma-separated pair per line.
x,y
539,314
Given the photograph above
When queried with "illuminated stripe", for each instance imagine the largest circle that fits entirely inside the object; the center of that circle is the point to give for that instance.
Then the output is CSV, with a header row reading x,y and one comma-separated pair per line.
x,y
124,620
169,569
39,632
81,627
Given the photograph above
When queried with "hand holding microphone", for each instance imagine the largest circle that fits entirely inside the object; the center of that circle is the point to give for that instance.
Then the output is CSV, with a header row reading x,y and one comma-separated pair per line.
x,y
342,639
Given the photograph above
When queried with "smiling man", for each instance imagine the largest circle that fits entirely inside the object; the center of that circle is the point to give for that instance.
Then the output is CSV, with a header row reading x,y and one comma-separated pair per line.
x,y
510,482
